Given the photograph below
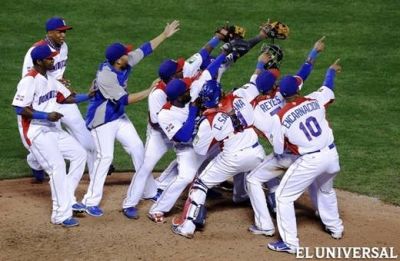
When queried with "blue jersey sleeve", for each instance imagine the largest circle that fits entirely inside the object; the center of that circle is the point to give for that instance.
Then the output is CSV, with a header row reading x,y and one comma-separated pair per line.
x,y
146,48
329,78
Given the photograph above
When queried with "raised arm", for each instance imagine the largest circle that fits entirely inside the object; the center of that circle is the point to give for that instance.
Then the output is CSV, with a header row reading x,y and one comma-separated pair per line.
x,y
331,73
169,30
135,56
307,67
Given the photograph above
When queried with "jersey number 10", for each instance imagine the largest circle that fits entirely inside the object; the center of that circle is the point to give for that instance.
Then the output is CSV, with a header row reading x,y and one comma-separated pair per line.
x,y
311,128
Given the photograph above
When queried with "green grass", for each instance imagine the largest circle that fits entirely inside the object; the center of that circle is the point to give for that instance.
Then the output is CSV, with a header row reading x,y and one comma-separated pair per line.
x,y
364,34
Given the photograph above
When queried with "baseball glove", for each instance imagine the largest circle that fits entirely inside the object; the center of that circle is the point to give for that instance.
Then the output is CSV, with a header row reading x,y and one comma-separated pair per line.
x,y
231,32
238,47
275,30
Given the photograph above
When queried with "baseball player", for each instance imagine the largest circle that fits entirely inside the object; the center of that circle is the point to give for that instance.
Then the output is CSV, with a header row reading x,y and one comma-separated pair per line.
x,y
106,116
302,127
157,143
177,120
260,82
36,104
229,122
56,28
266,106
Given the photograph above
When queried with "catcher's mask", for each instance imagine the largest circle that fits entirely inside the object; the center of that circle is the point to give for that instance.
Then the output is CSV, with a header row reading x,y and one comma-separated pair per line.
x,y
276,54
210,94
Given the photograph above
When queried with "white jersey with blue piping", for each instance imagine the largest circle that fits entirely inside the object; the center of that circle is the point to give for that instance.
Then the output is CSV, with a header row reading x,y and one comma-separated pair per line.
x,y
60,60
301,125
111,95
40,94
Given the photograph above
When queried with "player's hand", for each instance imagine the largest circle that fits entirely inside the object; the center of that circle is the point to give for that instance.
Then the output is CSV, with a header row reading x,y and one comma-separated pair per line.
x,y
65,82
54,116
171,28
336,66
91,93
264,57
320,45
222,34
154,83
198,102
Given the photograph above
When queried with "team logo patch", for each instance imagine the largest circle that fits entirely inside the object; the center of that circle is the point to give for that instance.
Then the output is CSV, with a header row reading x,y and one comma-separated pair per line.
x,y
170,127
19,97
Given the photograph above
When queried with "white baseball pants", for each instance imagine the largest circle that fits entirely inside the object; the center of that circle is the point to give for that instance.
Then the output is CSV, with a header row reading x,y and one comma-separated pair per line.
x,y
50,148
220,169
269,169
188,164
104,137
157,144
75,125
319,169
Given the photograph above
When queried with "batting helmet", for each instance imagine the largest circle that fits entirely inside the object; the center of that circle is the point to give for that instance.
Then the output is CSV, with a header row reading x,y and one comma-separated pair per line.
x,y
290,85
276,54
265,81
175,88
210,94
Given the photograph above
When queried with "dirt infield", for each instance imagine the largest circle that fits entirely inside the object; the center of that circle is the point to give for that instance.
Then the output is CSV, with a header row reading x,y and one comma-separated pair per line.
x,y
26,232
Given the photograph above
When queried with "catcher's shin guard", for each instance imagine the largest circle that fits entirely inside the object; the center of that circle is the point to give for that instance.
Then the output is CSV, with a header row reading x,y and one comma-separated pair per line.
x,y
194,209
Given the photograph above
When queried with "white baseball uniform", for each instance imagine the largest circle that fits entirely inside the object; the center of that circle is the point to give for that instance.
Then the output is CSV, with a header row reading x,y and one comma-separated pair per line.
x,y
241,151
302,127
157,143
171,119
72,119
50,144
265,106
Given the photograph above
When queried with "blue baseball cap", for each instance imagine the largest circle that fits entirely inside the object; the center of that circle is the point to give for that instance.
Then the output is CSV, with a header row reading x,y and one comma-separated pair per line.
x,y
57,24
175,88
290,85
266,80
169,67
116,51
41,52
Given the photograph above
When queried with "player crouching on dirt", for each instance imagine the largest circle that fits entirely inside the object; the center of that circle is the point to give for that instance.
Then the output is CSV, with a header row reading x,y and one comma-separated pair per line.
x,y
227,120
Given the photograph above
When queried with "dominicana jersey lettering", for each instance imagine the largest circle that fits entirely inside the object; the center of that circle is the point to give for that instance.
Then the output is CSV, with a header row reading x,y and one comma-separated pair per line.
x,y
301,125
111,95
41,94
60,60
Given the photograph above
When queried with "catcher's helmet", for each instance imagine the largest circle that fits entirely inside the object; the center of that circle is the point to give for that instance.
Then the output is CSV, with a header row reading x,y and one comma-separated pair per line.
x,y
275,53
210,94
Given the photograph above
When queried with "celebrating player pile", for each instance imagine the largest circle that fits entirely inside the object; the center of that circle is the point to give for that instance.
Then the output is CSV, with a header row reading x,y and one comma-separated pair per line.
x,y
215,134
